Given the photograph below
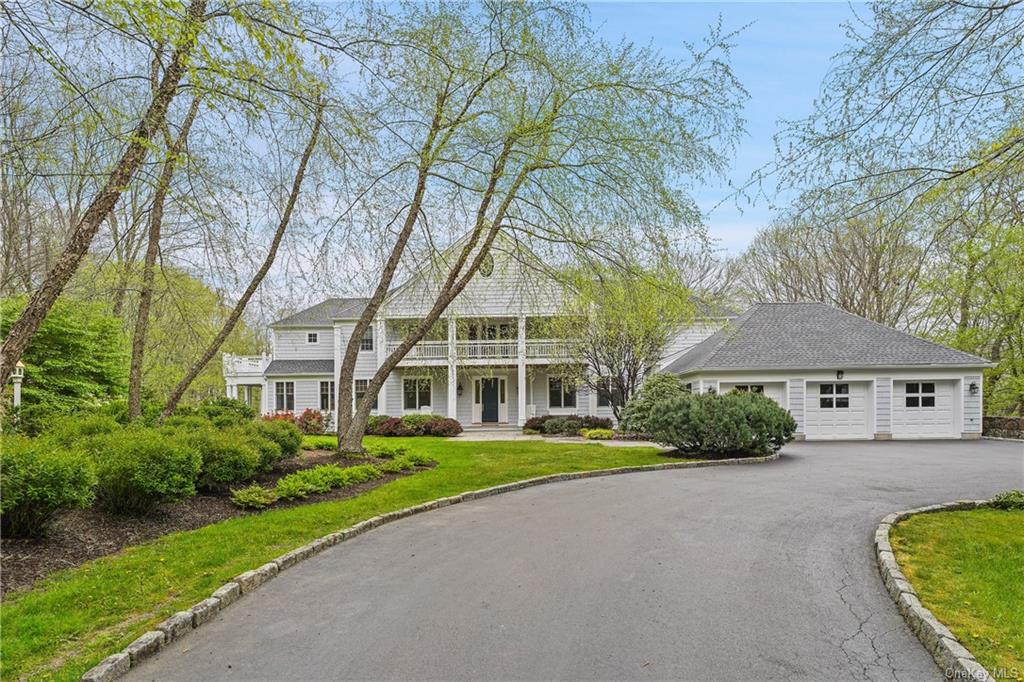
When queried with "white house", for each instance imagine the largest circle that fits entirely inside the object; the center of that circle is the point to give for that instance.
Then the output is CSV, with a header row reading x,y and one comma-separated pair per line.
x,y
840,376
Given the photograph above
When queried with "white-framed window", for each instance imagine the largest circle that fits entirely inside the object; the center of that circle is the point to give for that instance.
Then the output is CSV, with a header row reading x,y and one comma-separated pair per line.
x,y
560,394
312,337
834,396
607,397
366,343
415,393
327,396
359,390
284,396
749,388
920,394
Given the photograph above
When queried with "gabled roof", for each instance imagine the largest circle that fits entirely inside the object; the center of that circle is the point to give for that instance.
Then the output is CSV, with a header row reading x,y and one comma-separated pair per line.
x,y
813,336
299,367
324,314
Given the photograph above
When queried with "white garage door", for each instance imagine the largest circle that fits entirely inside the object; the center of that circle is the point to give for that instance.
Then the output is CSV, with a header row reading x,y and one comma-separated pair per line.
x,y
923,409
774,390
837,410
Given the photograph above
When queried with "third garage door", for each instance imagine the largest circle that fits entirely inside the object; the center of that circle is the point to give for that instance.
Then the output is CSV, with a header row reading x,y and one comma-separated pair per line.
x,y
837,410
924,409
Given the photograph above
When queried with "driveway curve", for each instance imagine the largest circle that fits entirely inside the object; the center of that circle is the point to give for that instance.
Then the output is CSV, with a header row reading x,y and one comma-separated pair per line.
x,y
723,573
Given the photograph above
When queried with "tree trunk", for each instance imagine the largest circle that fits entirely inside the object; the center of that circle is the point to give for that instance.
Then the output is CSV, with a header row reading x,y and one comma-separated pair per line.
x,y
257,279
24,328
149,264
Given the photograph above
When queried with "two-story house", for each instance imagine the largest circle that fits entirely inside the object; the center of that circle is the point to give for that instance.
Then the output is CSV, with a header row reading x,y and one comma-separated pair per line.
x,y
488,362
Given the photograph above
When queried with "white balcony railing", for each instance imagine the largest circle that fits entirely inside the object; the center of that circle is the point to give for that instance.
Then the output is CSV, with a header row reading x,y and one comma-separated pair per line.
x,y
508,349
241,365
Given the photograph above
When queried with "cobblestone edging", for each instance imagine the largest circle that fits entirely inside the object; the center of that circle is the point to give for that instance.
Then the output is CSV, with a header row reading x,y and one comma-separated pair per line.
x,y
183,622
956,662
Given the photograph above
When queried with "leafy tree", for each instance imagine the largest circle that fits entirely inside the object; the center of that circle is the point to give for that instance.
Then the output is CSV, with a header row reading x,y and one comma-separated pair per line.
x,y
619,324
78,356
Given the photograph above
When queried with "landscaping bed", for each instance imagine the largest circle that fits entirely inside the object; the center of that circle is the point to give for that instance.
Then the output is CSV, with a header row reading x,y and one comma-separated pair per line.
x,y
967,568
78,535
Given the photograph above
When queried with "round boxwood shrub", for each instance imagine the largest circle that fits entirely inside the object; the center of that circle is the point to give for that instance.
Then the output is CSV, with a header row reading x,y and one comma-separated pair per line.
x,y
138,469
269,451
79,427
656,388
37,479
285,433
734,424
443,426
227,457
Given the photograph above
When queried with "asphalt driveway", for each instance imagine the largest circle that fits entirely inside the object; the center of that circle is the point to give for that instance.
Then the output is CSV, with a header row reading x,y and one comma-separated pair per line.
x,y
727,573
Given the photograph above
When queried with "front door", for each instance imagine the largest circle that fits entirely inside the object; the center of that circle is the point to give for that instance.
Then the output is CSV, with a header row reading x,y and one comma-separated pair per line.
x,y
489,400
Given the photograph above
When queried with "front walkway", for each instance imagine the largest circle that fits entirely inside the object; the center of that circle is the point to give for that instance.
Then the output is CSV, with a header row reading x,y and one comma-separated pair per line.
x,y
761,572
514,433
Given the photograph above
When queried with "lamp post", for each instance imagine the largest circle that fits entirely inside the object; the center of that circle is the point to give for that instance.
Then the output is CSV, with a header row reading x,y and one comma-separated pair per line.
x,y
16,376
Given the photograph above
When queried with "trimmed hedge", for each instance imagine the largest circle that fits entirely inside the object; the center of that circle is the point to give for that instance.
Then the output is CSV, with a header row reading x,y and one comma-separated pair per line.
x,y
413,425
733,424
37,479
138,469
569,425
597,434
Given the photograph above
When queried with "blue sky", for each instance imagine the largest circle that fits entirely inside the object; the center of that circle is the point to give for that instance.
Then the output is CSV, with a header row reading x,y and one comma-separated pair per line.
x,y
781,59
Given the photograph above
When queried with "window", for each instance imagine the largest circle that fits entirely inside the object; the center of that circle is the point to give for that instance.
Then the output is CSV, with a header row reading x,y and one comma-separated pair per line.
x,y
560,395
359,390
834,396
606,397
366,343
920,394
416,393
327,395
689,387
312,337
284,396
749,388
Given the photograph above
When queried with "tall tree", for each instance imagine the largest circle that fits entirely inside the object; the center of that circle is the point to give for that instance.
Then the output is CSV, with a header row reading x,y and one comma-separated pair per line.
x,y
513,113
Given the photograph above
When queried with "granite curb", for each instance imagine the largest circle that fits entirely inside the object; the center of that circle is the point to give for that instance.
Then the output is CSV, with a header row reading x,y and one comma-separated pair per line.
x,y
956,662
182,623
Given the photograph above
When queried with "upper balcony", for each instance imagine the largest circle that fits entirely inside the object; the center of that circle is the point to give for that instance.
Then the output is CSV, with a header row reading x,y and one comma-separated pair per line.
x,y
506,351
245,366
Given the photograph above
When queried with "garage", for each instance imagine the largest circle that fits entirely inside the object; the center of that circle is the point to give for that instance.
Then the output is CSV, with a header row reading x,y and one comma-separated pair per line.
x,y
837,410
924,409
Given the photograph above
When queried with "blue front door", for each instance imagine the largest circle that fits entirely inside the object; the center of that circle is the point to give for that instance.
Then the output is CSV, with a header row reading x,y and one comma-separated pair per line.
x,y
489,400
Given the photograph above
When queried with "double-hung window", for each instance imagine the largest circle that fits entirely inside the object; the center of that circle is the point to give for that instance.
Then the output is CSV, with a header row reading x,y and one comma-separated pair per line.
x,y
834,396
359,390
284,396
607,396
920,394
749,388
416,393
366,343
560,394
327,396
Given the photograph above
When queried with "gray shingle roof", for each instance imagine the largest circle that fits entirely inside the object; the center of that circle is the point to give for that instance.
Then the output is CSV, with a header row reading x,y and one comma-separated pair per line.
x,y
296,367
323,314
813,336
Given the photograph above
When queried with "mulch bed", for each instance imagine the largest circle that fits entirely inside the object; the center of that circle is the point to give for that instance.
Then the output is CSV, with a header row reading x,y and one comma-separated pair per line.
x,y
80,535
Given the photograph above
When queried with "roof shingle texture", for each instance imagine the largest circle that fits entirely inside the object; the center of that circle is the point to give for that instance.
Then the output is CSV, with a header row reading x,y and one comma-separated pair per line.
x,y
812,336
282,367
324,314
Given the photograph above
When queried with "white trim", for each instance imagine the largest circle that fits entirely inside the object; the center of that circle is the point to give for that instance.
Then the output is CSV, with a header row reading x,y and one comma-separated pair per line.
x,y
419,408
316,338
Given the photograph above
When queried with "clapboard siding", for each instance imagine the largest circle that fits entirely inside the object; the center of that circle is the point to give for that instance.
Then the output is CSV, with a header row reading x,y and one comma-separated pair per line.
x,y
796,402
883,405
688,337
290,344
972,405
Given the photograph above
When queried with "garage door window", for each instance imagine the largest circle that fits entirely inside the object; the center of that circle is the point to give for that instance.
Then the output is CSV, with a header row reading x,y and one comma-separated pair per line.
x,y
749,388
921,394
834,396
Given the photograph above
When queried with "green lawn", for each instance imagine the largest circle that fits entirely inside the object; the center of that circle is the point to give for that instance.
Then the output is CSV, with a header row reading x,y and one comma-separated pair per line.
x,y
71,620
968,569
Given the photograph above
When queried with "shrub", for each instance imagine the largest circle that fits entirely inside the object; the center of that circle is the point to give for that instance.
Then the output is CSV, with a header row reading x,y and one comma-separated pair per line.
x,y
118,409
656,388
537,423
185,424
225,411
279,417
391,426
569,426
386,451
720,425
1011,500
285,433
289,488
598,434
33,419
397,465
413,425
419,459
323,442
417,423
445,427
77,428
253,497
140,468
322,478
227,457
310,421
37,479
269,451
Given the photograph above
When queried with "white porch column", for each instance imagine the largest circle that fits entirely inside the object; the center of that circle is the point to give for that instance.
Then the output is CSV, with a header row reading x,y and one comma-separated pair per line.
x,y
521,358
380,343
453,382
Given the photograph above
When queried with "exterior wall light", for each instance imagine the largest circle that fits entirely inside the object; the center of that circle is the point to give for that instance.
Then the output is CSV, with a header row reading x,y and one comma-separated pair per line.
x,y
974,388
458,390
839,374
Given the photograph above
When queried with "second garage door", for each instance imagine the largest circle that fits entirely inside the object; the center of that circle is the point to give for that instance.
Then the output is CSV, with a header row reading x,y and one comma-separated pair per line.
x,y
924,409
837,410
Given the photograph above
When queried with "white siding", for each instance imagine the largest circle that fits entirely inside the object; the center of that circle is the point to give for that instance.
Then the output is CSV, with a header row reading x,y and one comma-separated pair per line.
x,y
924,422
972,405
796,402
883,405
290,344
307,392
366,361
688,337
